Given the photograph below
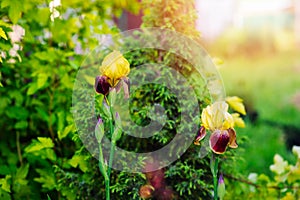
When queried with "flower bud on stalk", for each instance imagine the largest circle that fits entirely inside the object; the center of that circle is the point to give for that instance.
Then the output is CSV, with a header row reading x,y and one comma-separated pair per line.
x,y
99,130
221,187
118,129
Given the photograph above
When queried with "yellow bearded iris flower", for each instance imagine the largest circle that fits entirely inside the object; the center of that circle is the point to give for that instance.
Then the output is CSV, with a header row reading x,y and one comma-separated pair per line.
x,y
216,119
114,67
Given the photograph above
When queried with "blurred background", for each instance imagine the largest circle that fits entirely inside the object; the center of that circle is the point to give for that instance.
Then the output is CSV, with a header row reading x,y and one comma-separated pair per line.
x,y
259,42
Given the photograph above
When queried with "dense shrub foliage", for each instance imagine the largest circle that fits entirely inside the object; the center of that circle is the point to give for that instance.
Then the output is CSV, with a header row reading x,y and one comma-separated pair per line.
x,y
42,47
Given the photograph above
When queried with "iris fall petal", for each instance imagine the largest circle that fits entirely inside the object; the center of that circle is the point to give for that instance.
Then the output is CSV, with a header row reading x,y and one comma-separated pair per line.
x,y
218,141
200,135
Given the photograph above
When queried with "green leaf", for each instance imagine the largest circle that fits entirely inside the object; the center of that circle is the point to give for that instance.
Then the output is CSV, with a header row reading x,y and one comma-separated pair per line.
x,y
43,15
62,34
4,182
49,154
5,3
42,143
48,56
61,116
47,178
67,81
4,170
22,172
17,112
48,198
47,142
79,160
41,80
5,24
32,88
43,114
15,10
4,195
65,132
2,34
21,125
20,178
18,96
69,194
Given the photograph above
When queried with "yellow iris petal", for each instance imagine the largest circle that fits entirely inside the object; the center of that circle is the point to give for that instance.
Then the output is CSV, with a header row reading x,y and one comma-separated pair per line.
x,y
238,121
206,118
236,104
228,121
216,117
114,67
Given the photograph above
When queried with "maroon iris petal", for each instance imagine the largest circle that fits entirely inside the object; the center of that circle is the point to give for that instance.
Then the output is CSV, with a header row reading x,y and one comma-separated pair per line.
x,y
200,135
218,141
101,85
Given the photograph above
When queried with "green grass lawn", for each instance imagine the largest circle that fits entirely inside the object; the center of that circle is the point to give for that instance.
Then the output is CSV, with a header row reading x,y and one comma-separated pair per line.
x,y
268,84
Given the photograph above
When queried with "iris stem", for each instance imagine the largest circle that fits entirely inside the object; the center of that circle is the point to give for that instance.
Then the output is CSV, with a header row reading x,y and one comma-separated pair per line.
x,y
107,191
214,169
113,145
104,173
111,154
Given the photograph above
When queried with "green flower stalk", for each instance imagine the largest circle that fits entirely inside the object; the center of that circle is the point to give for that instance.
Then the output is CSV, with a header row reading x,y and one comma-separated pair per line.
x,y
114,70
214,162
99,133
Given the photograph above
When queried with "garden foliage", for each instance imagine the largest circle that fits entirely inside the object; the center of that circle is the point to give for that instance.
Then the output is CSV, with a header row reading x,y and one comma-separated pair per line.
x,y
41,51
42,46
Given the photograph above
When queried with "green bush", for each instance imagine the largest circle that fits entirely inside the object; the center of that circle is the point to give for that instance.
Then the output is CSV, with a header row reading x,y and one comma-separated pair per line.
x,y
40,152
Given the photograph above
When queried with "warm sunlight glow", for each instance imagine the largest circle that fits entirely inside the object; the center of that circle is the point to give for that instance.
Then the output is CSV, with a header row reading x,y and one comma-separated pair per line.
x,y
216,17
